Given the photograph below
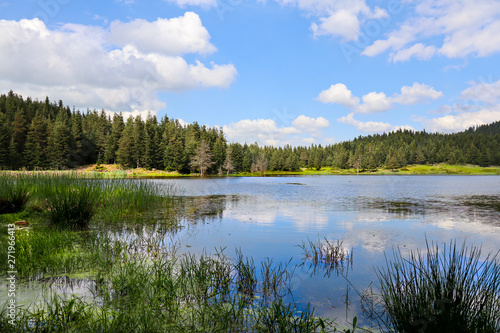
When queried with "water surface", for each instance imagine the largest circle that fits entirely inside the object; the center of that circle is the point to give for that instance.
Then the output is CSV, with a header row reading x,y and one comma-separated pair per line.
x,y
372,215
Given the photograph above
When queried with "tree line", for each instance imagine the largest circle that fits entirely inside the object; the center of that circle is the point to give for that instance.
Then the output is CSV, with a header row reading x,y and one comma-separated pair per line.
x,y
48,135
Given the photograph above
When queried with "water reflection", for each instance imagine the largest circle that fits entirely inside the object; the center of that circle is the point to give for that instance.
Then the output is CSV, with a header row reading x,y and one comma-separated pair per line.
x,y
270,217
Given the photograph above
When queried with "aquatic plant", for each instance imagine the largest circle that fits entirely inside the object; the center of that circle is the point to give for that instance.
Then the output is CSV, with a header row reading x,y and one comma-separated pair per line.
x,y
445,289
73,205
330,255
14,193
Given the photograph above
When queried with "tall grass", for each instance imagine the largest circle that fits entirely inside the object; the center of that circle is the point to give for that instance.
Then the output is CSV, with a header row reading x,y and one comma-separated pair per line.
x,y
167,293
14,193
445,289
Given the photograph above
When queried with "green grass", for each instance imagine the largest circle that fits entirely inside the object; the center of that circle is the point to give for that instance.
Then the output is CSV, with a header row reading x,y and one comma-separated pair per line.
x,y
328,255
445,289
164,292
14,193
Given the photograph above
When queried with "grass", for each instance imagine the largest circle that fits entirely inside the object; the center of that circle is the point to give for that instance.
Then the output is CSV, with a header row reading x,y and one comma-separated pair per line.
x,y
165,292
329,255
14,193
446,289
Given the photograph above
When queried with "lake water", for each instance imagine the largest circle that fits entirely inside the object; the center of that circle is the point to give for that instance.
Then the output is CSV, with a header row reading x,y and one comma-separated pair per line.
x,y
372,215
268,217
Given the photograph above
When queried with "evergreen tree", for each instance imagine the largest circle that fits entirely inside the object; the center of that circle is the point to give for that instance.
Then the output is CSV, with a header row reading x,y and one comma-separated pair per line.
x,y
174,158
4,143
59,142
113,138
36,143
125,154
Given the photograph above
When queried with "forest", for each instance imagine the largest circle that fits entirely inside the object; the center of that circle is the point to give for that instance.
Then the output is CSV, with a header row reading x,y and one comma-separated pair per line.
x,y
41,135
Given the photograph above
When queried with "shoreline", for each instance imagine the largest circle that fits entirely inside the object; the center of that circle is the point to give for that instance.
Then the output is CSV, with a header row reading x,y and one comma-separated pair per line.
x,y
114,171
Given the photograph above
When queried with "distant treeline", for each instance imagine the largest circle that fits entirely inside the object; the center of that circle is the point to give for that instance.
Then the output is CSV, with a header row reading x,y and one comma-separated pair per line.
x,y
43,135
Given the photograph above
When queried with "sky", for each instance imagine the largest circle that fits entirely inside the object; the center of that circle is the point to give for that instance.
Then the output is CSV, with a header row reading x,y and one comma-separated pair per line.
x,y
274,72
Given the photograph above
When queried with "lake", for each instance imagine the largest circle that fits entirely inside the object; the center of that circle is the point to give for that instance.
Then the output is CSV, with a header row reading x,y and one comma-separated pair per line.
x,y
370,215
269,217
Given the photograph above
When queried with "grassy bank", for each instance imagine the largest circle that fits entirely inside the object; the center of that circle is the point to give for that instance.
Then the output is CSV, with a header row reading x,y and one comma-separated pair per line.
x,y
112,171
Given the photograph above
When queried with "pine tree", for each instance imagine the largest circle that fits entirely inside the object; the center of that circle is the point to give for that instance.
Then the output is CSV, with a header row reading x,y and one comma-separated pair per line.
x,y
4,143
173,157
125,153
59,142
36,143
151,143
113,137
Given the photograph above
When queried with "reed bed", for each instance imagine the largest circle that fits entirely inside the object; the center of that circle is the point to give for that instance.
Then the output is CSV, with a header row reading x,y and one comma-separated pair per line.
x,y
168,293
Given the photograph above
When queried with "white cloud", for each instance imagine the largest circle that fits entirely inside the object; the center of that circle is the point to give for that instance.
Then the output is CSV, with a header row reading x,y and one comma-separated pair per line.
x,y
466,27
338,93
342,23
418,93
374,102
488,93
266,132
378,102
74,62
365,127
454,123
462,116
337,18
201,3
419,51
175,36
309,124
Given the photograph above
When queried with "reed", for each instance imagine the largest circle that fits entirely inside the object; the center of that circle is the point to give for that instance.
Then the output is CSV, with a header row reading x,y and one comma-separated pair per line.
x,y
448,288
327,255
14,193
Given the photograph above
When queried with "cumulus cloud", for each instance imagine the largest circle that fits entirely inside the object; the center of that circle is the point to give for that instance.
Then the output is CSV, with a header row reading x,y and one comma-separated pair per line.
x,y
339,94
95,67
418,93
378,102
337,18
466,27
371,126
303,131
365,127
374,102
459,122
306,123
179,35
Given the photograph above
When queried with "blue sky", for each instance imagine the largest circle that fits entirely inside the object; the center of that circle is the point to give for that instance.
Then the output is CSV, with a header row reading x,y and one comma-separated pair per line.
x,y
276,72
